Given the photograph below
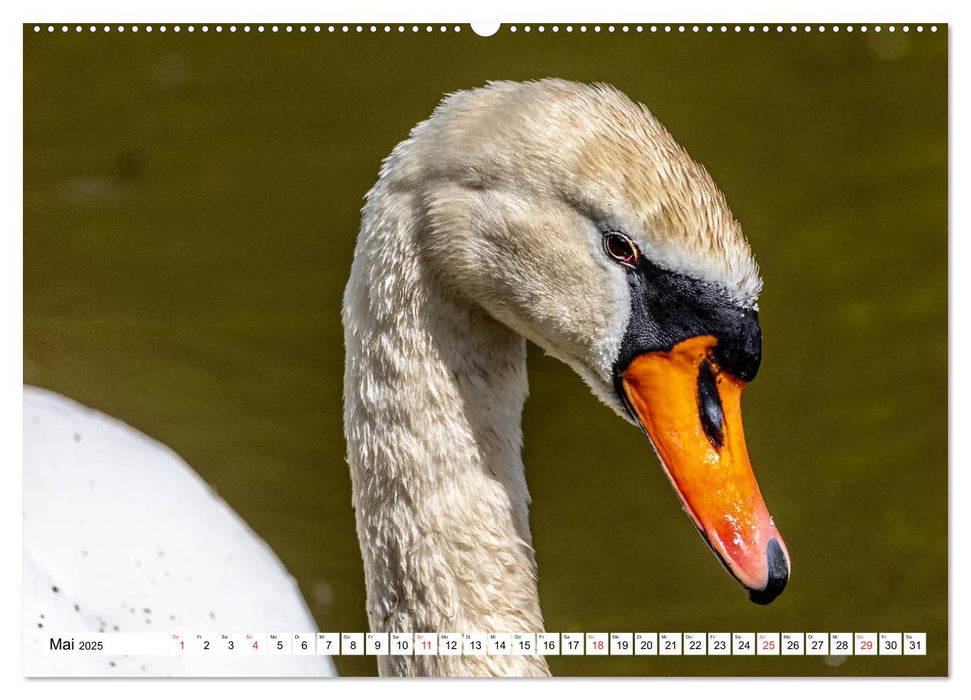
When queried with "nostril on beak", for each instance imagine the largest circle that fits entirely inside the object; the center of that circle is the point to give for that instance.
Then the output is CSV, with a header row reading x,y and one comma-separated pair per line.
x,y
778,575
710,406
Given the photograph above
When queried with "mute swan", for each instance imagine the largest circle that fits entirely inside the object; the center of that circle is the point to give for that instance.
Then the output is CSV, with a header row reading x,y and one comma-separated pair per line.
x,y
120,535
566,214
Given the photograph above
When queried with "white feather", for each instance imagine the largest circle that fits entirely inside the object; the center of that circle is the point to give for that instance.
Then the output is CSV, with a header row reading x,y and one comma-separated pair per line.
x,y
121,535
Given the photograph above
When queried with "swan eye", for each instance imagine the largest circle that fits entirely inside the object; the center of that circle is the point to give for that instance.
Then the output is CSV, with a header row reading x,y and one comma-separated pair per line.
x,y
620,248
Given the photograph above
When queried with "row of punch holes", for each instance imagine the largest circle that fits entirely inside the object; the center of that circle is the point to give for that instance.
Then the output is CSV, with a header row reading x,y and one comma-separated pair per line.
x,y
414,28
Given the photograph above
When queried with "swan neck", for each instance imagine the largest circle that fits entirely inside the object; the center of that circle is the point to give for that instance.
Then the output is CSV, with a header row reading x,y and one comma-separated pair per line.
x,y
434,389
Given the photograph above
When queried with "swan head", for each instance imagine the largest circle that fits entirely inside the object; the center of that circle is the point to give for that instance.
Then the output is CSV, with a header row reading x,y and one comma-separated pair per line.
x,y
569,214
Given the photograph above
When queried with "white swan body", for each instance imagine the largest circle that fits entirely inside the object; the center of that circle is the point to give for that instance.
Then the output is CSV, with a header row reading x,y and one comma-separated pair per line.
x,y
503,217
120,535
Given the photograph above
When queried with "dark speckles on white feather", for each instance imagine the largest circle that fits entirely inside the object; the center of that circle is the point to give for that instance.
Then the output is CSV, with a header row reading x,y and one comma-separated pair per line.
x,y
121,486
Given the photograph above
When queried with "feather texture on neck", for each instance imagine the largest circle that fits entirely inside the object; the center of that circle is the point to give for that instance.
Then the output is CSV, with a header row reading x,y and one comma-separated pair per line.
x,y
434,390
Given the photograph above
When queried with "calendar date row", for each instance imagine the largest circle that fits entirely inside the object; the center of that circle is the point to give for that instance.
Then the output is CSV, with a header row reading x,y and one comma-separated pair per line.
x,y
499,643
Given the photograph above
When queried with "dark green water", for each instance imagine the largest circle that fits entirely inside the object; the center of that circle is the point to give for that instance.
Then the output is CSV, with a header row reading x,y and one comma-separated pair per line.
x,y
190,209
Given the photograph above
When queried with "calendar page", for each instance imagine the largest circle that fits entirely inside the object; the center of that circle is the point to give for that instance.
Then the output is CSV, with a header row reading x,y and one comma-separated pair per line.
x,y
408,349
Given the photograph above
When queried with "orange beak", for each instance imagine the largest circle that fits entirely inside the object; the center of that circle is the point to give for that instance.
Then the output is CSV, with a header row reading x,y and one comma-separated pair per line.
x,y
691,411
